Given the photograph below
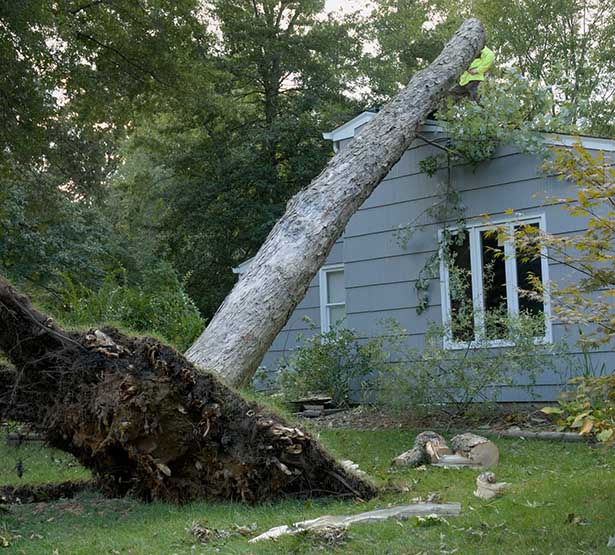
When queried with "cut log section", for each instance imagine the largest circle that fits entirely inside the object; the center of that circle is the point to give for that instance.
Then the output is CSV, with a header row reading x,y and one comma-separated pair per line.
x,y
379,515
487,487
478,449
468,450
429,447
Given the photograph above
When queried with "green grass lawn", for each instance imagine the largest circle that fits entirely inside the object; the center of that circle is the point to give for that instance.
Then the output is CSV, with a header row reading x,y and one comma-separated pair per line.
x,y
550,482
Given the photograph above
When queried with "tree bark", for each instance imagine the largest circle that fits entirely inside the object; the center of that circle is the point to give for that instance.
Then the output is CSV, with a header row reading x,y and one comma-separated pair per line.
x,y
146,422
428,448
260,304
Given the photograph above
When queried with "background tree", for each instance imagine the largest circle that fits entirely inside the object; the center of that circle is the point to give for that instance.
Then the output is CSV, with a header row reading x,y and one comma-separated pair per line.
x,y
563,44
76,77
404,36
566,44
241,135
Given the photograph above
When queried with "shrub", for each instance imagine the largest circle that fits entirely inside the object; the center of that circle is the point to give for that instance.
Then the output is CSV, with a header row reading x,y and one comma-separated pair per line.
x,y
334,363
158,305
589,408
439,379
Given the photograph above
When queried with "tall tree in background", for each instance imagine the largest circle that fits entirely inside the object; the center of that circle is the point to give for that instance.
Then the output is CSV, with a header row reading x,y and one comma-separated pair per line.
x,y
564,44
404,36
239,137
74,75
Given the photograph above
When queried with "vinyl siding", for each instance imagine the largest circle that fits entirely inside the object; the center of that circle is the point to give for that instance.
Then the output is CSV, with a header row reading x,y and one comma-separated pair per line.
x,y
380,274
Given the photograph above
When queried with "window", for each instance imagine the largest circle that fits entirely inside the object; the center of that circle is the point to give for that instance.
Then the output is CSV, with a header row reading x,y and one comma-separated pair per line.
x,y
332,297
483,280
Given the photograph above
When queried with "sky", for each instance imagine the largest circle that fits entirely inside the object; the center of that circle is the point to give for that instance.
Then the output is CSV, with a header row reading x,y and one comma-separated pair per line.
x,y
347,5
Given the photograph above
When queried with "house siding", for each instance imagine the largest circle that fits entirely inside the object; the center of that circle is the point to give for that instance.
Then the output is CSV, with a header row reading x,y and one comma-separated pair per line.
x,y
380,273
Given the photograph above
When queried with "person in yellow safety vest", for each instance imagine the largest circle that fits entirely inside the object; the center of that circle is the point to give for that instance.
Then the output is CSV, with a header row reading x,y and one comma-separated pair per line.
x,y
471,78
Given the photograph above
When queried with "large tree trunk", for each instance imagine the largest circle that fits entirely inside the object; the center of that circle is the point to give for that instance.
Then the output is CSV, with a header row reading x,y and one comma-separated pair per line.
x,y
146,422
260,304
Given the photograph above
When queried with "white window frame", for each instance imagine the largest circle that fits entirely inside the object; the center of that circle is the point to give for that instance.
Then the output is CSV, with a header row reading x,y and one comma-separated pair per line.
x,y
325,324
512,296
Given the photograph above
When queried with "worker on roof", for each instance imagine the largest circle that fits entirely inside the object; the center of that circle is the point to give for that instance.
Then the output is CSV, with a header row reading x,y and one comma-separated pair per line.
x,y
478,68
471,78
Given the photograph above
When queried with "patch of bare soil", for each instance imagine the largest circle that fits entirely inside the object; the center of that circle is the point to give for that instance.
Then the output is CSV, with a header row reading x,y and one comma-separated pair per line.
x,y
373,418
43,492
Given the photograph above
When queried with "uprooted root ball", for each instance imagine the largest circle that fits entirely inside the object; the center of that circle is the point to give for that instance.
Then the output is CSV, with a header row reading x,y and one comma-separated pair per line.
x,y
146,422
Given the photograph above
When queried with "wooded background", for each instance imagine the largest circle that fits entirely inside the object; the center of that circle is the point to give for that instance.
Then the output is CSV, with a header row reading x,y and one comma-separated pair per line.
x,y
146,149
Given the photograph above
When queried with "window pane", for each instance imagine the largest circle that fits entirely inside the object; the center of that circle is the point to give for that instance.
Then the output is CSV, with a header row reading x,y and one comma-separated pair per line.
x,y
494,285
337,315
460,286
529,265
335,287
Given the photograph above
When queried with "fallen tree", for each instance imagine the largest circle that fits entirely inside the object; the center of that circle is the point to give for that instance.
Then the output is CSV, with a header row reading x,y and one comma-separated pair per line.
x,y
146,422
258,307
143,418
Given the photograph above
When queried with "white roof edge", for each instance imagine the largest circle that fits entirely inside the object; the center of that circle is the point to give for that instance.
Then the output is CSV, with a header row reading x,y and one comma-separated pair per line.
x,y
348,129
243,267
591,143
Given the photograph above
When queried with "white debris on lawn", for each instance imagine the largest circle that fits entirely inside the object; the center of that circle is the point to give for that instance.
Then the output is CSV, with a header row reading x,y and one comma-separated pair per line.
x,y
431,510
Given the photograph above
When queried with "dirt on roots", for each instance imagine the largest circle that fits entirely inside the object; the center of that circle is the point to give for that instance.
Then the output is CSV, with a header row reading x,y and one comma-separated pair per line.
x,y
148,423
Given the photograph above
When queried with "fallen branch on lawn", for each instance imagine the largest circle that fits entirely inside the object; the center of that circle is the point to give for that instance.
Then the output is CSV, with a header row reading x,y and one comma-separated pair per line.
x,y
401,512
548,436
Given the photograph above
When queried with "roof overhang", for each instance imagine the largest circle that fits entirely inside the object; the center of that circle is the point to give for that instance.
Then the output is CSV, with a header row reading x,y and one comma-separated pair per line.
x,y
590,143
349,129
243,267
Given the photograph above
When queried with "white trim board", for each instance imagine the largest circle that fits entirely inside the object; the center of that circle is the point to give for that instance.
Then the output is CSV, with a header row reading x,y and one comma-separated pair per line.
x,y
349,129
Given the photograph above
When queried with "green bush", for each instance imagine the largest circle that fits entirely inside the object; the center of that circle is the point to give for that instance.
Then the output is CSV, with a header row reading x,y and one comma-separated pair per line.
x,y
589,408
439,379
158,305
332,363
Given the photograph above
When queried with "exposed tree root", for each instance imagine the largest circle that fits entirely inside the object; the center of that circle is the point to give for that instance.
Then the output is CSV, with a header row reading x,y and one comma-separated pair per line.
x,y
146,422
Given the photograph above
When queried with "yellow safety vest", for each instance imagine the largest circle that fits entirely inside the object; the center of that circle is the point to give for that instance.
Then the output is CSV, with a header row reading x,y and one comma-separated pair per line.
x,y
482,65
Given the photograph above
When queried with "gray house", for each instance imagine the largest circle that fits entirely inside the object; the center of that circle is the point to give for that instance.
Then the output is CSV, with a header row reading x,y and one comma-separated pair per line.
x,y
370,275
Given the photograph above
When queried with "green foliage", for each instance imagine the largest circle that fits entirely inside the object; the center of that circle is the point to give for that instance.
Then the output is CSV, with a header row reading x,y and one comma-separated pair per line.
x,y
439,378
589,408
511,111
564,45
335,363
404,36
74,76
206,179
159,305
585,297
